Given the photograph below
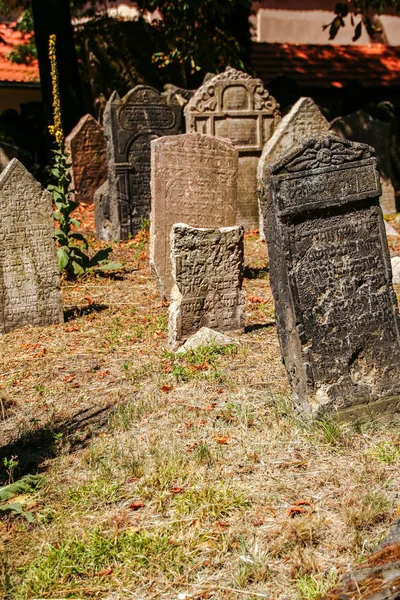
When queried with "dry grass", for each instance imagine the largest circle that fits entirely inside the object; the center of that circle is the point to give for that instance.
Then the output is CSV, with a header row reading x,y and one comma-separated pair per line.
x,y
173,478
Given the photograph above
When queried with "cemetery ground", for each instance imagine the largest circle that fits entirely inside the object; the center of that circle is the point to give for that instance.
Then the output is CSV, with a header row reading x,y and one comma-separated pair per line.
x,y
165,477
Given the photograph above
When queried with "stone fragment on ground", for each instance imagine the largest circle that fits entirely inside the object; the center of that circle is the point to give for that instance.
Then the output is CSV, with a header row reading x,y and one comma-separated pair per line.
x,y
207,267
378,577
235,105
204,337
391,231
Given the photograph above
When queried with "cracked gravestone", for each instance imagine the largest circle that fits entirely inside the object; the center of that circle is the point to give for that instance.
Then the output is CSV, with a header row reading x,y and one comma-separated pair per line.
x,y
361,127
303,119
330,272
207,266
130,124
86,147
236,106
193,180
29,278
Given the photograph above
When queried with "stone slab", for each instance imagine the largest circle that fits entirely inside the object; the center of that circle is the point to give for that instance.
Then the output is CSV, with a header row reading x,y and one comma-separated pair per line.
x,y
207,266
395,262
236,106
130,124
361,127
29,278
204,337
330,273
193,180
102,218
86,147
303,119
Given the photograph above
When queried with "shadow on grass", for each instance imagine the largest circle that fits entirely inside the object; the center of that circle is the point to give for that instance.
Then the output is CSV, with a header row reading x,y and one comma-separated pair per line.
x,y
37,445
80,311
255,273
257,326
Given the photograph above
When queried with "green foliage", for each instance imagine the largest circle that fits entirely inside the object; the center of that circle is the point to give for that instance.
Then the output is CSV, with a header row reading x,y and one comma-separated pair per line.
x,y
72,258
363,10
26,52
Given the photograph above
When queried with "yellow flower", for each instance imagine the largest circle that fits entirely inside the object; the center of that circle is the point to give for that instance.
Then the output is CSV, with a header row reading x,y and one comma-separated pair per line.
x,y
56,130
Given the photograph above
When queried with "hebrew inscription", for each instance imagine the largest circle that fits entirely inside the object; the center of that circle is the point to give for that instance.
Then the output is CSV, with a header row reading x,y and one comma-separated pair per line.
x,y
330,272
29,279
194,180
130,124
207,266
236,106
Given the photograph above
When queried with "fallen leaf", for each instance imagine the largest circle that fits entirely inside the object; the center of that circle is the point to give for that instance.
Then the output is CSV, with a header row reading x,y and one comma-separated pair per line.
x,y
103,373
258,522
166,388
41,353
222,524
136,505
220,390
210,406
256,300
203,367
105,572
176,490
68,378
220,439
132,479
73,327
298,508
89,299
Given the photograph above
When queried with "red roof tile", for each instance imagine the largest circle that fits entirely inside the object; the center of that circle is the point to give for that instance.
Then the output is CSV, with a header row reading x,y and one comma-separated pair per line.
x,y
328,66
12,72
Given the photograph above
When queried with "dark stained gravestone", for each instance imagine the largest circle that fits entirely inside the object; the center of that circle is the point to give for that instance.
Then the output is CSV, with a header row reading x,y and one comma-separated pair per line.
x,y
236,106
361,127
29,278
129,126
86,147
207,266
336,309
193,180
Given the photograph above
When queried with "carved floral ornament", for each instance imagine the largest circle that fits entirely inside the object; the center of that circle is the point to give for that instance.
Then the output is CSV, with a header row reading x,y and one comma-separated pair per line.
x,y
327,151
208,96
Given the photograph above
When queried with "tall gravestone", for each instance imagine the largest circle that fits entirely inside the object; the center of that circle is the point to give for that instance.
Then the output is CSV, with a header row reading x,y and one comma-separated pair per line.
x,y
361,127
29,279
130,124
207,266
236,106
193,180
336,309
86,147
303,119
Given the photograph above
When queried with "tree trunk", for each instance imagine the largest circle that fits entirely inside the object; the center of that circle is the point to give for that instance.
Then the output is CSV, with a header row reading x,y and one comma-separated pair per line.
x,y
54,16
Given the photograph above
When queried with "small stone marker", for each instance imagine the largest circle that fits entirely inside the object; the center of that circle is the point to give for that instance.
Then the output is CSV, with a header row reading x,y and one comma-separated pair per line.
x,y
236,106
336,309
193,180
102,219
303,119
361,127
29,279
207,266
395,261
129,125
86,147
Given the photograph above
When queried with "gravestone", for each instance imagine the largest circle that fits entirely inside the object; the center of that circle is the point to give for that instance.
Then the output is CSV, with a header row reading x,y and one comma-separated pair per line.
x,y
236,106
193,180
86,147
303,119
207,266
361,127
29,279
102,219
130,124
336,309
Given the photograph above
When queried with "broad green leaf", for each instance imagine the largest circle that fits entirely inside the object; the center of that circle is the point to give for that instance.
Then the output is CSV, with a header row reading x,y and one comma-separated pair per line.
x,y
63,258
100,256
111,266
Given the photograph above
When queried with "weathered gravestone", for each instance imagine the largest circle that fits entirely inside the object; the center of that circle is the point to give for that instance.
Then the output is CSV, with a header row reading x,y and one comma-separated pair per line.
x,y
236,106
129,125
86,147
102,218
336,309
361,127
29,279
193,180
207,266
303,119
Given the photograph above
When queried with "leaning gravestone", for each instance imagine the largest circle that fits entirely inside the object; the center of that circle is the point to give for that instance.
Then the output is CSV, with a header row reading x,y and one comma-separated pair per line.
x,y
129,125
336,309
193,180
361,127
86,147
102,219
29,279
303,119
207,266
236,106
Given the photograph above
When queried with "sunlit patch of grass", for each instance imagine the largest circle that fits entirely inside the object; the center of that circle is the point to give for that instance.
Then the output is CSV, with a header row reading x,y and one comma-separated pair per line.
x,y
385,452
314,587
94,492
208,502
